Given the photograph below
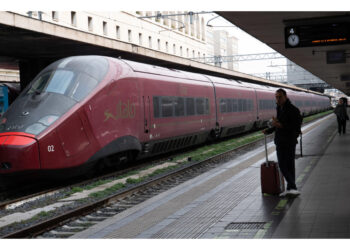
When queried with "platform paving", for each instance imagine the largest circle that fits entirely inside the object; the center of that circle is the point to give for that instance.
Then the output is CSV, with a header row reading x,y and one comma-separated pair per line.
x,y
227,203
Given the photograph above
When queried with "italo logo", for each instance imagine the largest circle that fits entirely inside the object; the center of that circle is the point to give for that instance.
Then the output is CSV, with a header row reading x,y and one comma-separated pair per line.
x,y
123,110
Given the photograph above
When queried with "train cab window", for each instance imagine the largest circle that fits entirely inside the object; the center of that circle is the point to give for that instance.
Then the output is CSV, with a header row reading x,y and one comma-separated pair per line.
x,y
167,106
179,103
200,106
84,85
59,81
73,77
39,84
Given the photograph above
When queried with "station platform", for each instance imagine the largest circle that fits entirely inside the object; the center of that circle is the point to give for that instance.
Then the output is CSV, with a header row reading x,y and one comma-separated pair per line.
x,y
227,203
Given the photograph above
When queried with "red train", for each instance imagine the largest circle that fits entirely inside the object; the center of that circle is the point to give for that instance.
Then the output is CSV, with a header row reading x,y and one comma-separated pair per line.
x,y
82,109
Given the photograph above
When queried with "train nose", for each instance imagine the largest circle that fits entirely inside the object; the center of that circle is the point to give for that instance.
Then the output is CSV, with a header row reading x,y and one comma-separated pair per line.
x,y
18,152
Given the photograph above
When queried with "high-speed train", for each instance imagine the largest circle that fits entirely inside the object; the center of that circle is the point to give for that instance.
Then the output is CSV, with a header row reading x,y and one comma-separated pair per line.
x,y
83,109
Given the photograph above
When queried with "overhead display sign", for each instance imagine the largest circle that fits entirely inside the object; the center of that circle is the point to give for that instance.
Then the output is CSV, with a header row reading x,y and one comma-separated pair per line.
x,y
317,35
338,56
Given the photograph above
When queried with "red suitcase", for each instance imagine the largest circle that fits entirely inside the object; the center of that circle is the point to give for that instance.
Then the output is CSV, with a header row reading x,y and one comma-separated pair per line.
x,y
272,181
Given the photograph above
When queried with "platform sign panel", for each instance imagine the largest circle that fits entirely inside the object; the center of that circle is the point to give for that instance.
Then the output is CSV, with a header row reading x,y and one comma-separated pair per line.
x,y
325,34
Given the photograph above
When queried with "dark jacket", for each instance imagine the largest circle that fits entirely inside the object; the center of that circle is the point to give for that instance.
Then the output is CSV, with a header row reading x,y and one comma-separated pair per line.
x,y
340,111
290,118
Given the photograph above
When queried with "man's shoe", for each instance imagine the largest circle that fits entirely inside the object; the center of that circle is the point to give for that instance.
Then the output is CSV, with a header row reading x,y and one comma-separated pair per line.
x,y
293,192
283,194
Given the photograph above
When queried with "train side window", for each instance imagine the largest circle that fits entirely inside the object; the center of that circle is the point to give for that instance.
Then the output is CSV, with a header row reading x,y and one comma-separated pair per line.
x,y
167,106
189,106
234,105
223,105
207,106
179,103
244,105
240,105
156,106
229,105
200,106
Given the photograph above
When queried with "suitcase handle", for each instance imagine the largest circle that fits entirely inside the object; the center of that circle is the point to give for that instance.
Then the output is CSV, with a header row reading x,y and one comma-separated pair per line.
x,y
301,144
267,160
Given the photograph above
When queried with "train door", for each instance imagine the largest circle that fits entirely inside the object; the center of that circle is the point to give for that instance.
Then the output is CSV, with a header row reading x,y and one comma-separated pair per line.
x,y
146,114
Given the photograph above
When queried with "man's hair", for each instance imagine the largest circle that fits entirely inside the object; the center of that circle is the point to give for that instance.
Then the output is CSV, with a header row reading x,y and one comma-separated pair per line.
x,y
282,91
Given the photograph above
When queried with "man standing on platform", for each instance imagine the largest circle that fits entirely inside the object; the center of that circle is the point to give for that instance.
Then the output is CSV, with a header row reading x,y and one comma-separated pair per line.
x,y
287,127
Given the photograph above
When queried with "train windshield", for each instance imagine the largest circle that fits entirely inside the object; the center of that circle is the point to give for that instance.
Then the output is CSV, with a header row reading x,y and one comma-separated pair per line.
x,y
72,77
54,92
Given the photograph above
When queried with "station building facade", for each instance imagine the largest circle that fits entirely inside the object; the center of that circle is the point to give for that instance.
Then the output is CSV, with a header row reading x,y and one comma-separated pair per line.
x,y
179,33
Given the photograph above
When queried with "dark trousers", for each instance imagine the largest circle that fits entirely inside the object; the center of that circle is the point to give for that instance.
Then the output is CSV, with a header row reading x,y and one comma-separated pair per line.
x,y
341,125
286,162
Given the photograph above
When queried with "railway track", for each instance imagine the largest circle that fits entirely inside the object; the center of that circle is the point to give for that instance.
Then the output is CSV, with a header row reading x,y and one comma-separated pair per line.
x,y
80,217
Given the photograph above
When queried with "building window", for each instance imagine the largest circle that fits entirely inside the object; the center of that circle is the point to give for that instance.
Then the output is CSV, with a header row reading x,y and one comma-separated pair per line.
x,y
117,29
187,23
73,16
188,52
129,36
55,15
203,30
165,19
105,30
140,39
174,49
90,24
158,42
181,54
150,42
193,53
167,47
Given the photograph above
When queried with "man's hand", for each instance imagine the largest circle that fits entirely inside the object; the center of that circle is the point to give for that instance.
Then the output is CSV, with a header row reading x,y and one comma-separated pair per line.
x,y
276,123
